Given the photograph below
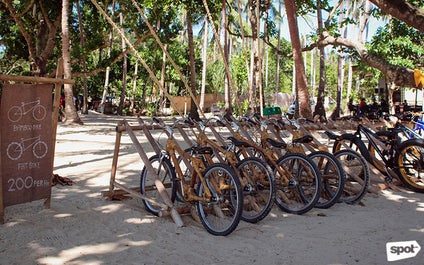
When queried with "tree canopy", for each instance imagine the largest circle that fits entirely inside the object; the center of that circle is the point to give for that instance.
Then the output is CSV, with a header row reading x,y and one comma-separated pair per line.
x,y
260,61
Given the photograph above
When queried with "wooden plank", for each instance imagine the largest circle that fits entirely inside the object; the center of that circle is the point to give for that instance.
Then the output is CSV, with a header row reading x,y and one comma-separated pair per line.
x,y
149,136
141,196
34,79
159,185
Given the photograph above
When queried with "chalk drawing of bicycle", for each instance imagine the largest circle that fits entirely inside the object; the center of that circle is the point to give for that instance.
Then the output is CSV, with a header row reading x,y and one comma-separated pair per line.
x,y
16,149
15,113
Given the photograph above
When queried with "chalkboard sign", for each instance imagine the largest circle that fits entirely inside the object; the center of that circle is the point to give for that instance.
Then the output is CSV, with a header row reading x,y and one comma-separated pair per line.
x,y
26,142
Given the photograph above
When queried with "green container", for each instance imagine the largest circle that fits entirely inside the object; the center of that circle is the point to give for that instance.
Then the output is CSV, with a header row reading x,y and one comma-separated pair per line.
x,y
272,110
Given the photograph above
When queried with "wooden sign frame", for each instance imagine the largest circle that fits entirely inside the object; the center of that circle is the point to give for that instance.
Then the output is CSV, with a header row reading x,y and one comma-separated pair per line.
x,y
57,86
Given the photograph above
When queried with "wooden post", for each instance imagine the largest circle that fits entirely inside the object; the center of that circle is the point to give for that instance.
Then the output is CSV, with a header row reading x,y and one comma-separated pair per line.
x,y
115,158
1,190
55,117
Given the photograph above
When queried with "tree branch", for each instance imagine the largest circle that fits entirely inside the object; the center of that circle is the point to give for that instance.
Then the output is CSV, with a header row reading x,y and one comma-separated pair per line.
x,y
399,75
402,10
115,60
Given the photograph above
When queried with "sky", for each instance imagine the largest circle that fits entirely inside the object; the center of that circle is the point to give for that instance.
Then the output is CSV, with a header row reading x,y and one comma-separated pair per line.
x,y
306,27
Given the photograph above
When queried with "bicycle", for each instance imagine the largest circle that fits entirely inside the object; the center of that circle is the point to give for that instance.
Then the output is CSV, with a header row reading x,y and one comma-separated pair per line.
x,y
332,172
255,176
393,158
419,126
214,189
355,168
297,179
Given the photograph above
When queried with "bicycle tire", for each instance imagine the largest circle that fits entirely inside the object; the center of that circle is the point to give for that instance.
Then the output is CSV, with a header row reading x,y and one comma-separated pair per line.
x,y
221,215
333,178
357,175
303,189
258,191
410,165
148,188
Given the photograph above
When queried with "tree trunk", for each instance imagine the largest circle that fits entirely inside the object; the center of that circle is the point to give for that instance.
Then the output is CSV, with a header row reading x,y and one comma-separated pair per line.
x,y
204,64
134,88
124,70
319,107
71,114
255,63
277,75
301,83
227,88
193,107
84,109
162,81
106,84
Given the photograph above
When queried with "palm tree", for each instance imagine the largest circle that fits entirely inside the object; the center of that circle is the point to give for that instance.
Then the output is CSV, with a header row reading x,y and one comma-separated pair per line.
x,y
301,82
70,109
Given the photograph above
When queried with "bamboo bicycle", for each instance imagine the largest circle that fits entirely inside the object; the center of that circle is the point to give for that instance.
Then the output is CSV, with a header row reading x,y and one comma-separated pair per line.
x,y
297,179
214,189
332,173
255,176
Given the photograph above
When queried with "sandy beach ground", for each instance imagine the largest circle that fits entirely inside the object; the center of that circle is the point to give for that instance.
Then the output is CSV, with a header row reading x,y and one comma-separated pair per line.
x,y
83,227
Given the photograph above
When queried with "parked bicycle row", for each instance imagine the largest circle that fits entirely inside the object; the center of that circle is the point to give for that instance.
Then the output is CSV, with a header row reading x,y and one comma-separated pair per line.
x,y
237,170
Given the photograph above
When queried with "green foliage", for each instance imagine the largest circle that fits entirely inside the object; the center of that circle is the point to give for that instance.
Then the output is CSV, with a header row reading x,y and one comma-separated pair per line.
x,y
400,44
397,42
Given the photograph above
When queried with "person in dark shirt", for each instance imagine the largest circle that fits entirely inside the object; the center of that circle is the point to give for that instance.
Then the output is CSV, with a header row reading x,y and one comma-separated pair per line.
x,y
362,107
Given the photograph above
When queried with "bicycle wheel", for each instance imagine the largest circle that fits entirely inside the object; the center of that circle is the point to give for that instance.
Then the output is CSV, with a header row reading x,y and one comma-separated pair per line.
x,y
166,173
333,178
298,190
258,189
355,143
220,214
357,175
410,164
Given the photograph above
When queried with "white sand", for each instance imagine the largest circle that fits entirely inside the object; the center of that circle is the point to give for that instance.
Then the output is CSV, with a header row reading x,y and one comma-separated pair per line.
x,y
82,227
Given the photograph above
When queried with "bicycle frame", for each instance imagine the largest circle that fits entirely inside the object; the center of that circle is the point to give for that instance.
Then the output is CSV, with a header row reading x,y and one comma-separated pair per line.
x,y
385,165
269,154
172,149
230,156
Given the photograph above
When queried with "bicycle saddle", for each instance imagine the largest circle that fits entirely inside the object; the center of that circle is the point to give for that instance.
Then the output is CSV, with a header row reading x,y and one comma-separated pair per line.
x,y
346,136
276,143
201,150
332,135
237,142
304,139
